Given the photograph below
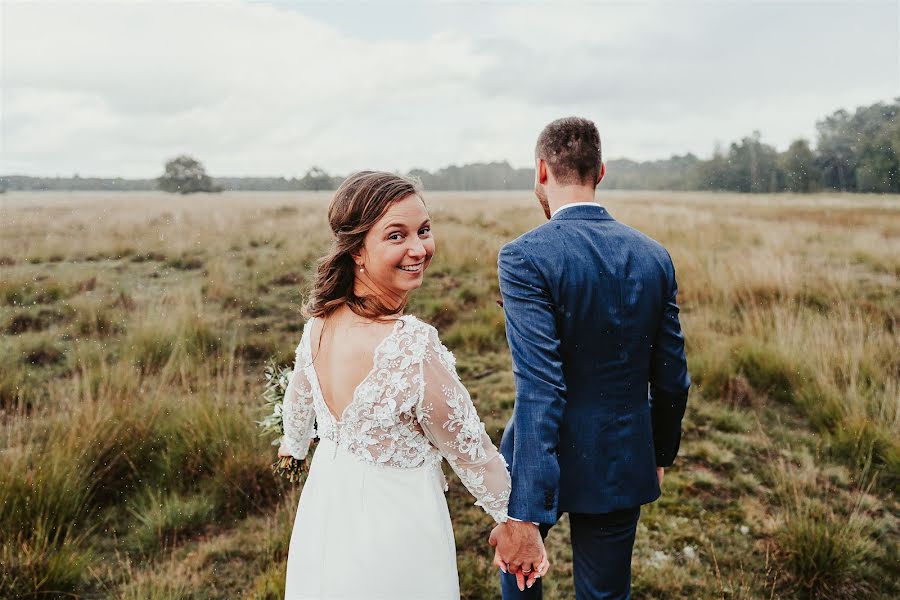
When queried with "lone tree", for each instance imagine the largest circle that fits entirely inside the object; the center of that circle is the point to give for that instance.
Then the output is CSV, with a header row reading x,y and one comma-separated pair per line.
x,y
316,180
185,175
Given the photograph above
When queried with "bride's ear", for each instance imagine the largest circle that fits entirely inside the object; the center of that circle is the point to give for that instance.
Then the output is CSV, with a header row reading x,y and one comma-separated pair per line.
x,y
359,258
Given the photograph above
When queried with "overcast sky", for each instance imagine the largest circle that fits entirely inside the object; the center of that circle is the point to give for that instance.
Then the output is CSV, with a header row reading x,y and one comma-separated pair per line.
x,y
272,88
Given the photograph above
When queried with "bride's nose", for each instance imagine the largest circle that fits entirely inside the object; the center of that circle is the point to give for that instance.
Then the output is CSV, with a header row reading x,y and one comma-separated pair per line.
x,y
417,249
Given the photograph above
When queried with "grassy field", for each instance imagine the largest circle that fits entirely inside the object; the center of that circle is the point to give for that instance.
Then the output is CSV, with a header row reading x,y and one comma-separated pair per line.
x,y
134,327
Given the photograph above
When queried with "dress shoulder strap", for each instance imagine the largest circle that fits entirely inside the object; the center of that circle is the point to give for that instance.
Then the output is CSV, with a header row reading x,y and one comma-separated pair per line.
x,y
406,343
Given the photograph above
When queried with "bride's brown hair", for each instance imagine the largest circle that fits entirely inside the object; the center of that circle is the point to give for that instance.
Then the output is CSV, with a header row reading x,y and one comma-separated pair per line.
x,y
357,205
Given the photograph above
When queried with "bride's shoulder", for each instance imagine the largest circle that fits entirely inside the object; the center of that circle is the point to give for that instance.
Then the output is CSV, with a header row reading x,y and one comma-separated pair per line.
x,y
417,325
307,327
304,333
432,340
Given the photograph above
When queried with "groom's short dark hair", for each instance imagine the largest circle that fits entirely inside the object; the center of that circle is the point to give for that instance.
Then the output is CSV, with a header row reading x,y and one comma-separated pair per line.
x,y
571,149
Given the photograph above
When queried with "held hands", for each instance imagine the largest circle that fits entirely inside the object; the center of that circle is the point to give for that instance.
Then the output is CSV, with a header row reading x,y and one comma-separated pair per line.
x,y
519,549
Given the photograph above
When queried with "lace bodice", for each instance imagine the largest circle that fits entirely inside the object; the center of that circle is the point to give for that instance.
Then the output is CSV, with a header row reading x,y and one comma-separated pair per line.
x,y
410,410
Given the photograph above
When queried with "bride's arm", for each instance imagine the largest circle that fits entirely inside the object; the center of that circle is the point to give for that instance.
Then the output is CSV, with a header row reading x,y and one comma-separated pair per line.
x,y
451,423
297,413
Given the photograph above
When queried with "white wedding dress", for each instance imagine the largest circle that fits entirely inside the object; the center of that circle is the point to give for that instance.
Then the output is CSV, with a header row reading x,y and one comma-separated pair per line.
x,y
372,520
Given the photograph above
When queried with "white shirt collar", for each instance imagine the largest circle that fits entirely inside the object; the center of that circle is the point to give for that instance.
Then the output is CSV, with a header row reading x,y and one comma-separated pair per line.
x,y
571,204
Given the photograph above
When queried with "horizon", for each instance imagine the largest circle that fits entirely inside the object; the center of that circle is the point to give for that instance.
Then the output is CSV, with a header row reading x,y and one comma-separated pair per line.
x,y
812,143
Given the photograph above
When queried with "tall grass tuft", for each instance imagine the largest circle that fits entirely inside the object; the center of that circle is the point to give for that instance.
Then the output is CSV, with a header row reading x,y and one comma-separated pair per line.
x,y
174,332
825,554
45,520
160,520
177,583
39,564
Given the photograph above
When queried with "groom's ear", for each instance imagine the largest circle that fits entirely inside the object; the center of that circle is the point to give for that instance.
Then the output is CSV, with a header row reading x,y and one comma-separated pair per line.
x,y
602,172
542,171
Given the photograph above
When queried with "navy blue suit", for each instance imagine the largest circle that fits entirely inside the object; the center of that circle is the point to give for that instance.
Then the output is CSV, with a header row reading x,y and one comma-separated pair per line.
x,y
601,384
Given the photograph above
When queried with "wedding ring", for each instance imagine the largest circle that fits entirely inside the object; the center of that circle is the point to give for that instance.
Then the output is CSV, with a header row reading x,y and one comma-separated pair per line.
x,y
527,572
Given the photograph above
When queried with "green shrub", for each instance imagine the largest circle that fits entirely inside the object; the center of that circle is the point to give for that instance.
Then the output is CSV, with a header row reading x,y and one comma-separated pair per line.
x,y
244,484
860,440
148,256
478,335
160,520
767,370
825,555
184,263
20,389
34,321
37,566
151,349
43,353
120,448
269,585
153,345
152,587
44,495
97,321
24,292
711,370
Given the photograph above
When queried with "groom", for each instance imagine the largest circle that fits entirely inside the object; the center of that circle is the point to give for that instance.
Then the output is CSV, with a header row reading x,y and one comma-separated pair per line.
x,y
600,371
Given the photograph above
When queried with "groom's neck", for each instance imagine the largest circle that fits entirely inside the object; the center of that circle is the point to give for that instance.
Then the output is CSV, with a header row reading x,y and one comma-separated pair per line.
x,y
560,196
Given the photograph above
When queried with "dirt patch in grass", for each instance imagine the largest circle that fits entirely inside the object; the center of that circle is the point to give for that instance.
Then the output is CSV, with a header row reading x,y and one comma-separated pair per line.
x,y
292,278
42,320
43,355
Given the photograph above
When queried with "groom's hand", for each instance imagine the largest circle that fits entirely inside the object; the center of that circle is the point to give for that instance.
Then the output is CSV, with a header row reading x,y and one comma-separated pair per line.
x,y
659,474
519,545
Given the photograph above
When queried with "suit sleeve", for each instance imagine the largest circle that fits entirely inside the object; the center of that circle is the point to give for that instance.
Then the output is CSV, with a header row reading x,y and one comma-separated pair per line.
x,y
540,387
669,379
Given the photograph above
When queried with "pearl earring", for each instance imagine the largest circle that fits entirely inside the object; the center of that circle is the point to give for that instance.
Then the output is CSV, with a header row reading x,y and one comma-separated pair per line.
x,y
361,270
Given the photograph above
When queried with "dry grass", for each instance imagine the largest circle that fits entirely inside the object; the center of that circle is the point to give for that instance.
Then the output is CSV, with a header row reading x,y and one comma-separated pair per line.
x,y
136,325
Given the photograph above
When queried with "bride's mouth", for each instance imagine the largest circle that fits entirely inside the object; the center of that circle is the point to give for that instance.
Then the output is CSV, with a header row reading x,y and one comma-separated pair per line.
x,y
416,268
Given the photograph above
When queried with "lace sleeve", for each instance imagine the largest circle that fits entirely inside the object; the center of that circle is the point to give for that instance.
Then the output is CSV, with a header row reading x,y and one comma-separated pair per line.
x,y
450,422
297,412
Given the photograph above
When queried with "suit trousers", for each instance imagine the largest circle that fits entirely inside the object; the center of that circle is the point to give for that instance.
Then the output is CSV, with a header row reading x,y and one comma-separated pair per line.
x,y
601,555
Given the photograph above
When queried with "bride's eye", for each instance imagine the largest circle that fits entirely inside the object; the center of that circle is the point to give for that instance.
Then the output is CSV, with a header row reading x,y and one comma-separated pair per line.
x,y
395,236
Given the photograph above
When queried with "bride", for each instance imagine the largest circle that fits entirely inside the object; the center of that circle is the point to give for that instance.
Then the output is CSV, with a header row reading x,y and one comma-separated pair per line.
x,y
381,393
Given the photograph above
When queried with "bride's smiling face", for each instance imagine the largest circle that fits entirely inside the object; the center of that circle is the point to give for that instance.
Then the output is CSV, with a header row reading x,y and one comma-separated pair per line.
x,y
396,251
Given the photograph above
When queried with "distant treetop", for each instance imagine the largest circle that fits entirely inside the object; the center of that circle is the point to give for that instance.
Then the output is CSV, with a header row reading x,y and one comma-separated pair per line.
x,y
186,175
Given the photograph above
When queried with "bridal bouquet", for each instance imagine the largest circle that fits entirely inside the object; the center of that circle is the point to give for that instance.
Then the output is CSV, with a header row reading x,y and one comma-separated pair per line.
x,y
277,379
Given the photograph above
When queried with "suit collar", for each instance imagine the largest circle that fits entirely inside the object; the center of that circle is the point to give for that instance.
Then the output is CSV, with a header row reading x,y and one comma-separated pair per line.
x,y
592,212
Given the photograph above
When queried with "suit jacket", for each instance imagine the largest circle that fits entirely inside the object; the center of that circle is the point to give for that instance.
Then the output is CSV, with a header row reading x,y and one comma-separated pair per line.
x,y
599,365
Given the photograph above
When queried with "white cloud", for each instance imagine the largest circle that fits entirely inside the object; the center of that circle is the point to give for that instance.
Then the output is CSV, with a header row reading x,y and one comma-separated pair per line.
x,y
248,88
117,88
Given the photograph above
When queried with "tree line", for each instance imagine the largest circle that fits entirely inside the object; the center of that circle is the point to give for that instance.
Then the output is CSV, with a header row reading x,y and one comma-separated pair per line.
x,y
183,174
854,152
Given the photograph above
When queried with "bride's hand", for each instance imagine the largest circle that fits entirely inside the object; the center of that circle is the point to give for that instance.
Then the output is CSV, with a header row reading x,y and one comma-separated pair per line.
x,y
540,571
